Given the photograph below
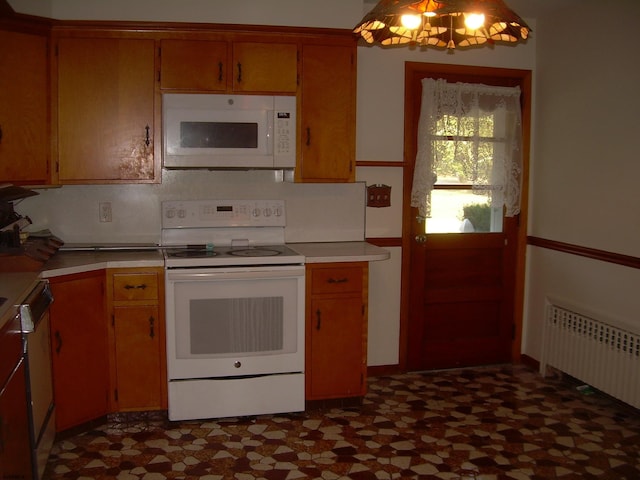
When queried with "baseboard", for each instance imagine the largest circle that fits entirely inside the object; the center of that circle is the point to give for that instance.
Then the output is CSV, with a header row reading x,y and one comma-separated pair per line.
x,y
530,362
383,370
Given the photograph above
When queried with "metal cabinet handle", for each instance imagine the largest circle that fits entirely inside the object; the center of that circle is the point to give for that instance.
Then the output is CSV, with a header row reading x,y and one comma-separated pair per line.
x,y
58,342
308,136
421,238
147,140
239,72
318,319
142,286
338,280
220,72
151,327
0,133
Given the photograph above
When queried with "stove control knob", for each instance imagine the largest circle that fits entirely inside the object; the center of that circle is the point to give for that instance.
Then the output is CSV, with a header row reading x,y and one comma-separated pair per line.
x,y
277,211
256,212
182,213
267,212
237,364
171,213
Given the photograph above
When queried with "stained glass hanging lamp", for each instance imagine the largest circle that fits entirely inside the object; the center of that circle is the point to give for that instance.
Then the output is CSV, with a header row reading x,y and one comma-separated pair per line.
x,y
443,23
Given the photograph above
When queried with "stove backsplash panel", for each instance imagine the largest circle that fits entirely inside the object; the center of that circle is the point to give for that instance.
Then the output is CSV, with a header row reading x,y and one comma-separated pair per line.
x,y
315,212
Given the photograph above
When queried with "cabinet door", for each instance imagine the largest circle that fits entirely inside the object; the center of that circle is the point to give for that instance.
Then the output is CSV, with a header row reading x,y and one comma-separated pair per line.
x,y
15,456
265,67
79,349
138,357
194,65
106,110
15,451
24,108
336,356
327,143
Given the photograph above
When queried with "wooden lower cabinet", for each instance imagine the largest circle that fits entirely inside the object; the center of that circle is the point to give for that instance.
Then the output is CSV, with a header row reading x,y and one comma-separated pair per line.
x,y
137,339
15,450
108,344
79,348
336,330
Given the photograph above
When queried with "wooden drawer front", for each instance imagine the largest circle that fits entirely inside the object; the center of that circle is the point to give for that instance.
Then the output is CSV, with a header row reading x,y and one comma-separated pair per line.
x,y
336,280
135,286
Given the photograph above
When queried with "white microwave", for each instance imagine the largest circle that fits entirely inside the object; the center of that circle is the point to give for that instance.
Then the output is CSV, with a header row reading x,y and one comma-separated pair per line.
x,y
228,131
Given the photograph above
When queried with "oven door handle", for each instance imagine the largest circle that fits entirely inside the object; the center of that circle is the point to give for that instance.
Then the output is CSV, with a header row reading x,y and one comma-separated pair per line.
x,y
227,275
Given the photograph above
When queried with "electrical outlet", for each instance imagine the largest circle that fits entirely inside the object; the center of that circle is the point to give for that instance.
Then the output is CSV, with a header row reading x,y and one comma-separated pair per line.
x,y
105,212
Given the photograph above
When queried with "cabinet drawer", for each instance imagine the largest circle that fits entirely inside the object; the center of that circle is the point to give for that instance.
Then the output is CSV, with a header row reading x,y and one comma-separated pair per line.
x,y
336,280
135,286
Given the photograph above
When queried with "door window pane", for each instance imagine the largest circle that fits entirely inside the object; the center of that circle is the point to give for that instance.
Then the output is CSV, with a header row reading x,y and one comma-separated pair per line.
x,y
462,211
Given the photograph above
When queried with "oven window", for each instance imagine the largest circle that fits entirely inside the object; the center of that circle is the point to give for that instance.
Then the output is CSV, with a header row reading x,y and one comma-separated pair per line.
x,y
236,325
225,318
218,135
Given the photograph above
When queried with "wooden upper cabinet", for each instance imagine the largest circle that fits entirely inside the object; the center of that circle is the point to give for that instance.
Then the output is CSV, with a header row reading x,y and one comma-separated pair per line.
x,y
194,65
265,67
24,108
328,111
105,110
229,66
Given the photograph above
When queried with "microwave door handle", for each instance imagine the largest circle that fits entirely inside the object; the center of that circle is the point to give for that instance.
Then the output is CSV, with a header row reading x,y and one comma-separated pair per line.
x,y
270,132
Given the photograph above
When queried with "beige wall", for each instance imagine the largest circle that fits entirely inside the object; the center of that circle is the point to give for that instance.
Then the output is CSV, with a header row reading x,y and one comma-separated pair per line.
x,y
584,179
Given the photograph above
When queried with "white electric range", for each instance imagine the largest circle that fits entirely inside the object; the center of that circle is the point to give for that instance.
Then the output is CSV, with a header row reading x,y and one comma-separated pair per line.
x,y
234,309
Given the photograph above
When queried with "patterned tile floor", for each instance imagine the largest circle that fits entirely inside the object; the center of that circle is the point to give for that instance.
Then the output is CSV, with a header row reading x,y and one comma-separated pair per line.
x,y
491,423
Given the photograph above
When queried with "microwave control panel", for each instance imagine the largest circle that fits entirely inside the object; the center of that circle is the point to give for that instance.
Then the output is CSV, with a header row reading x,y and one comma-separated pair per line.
x,y
284,129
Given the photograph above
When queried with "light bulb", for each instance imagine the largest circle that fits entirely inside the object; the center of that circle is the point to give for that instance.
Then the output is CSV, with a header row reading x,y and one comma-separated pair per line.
x,y
474,21
410,21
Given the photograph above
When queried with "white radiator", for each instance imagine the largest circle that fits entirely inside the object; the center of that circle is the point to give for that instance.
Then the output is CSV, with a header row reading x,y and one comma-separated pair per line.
x,y
603,356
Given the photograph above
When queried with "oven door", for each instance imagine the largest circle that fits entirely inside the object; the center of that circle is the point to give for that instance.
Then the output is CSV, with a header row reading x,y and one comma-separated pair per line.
x,y
235,321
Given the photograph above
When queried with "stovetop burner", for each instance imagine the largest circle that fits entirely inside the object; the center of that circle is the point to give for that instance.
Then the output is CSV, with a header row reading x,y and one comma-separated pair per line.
x,y
255,252
228,255
191,253
209,252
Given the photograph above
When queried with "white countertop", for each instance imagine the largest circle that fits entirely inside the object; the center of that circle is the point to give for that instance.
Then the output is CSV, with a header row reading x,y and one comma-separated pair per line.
x,y
328,252
15,286
66,263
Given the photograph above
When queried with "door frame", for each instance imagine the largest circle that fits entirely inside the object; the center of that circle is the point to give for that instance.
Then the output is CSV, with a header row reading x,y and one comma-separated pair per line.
x,y
414,72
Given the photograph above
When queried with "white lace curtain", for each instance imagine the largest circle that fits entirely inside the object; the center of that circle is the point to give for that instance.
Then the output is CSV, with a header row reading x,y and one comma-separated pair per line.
x,y
483,124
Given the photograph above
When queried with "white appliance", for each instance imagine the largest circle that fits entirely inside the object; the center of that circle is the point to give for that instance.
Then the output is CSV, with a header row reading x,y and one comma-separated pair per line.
x,y
34,318
234,309
229,131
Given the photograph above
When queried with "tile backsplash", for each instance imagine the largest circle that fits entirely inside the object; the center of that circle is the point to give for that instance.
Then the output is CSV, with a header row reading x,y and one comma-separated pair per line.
x,y
315,212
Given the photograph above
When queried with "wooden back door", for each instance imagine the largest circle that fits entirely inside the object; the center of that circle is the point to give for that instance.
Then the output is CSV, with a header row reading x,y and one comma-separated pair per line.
x,y
462,286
